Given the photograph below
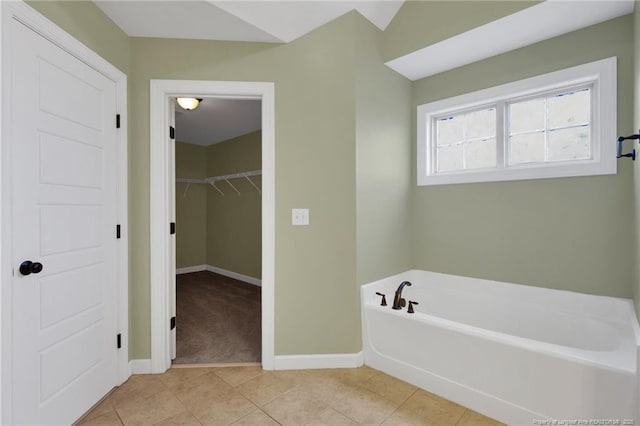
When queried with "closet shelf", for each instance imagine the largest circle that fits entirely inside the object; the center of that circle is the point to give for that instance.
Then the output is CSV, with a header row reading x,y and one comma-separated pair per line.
x,y
213,179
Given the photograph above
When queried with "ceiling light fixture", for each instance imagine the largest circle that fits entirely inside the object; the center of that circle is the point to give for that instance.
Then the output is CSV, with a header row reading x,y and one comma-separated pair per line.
x,y
189,103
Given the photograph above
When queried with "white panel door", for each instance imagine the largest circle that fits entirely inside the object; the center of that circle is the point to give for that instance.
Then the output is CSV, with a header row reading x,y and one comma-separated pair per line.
x,y
63,147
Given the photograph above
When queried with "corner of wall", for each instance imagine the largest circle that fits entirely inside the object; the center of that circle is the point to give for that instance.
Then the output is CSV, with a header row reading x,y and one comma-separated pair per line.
x,y
636,168
383,157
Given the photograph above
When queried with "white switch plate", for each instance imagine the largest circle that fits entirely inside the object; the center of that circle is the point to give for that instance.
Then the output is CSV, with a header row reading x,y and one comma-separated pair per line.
x,y
299,217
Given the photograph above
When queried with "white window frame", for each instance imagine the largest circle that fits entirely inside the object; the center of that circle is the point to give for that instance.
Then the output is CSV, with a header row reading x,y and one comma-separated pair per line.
x,y
599,75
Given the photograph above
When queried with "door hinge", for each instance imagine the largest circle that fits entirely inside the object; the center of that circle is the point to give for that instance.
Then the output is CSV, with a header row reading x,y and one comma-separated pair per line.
x,y
117,121
172,228
119,341
118,231
172,132
172,323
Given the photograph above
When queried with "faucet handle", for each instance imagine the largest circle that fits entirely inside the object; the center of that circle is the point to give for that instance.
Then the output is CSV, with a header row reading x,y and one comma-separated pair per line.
x,y
410,308
384,299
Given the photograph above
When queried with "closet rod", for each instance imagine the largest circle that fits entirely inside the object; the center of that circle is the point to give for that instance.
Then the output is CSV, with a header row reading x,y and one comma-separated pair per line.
x,y
186,180
234,176
213,179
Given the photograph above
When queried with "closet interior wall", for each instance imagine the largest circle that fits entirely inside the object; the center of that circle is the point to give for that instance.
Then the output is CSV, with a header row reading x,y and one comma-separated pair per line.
x,y
220,226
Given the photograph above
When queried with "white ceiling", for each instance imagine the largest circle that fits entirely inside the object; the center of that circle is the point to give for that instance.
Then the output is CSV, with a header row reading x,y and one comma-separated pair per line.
x,y
250,20
216,120
288,20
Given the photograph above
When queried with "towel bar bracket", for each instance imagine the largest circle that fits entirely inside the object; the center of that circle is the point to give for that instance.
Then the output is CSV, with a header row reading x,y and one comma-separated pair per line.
x,y
631,154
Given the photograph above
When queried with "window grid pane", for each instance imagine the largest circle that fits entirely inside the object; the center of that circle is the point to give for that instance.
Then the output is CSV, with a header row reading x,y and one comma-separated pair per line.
x,y
566,131
466,140
569,109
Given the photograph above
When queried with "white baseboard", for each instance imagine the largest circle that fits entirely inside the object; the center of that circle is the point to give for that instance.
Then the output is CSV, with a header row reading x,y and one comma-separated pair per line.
x,y
226,273
190,269
305,362
140,366
235,275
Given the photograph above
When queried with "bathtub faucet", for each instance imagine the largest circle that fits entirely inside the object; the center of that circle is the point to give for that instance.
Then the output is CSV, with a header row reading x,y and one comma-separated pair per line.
x,y
398,301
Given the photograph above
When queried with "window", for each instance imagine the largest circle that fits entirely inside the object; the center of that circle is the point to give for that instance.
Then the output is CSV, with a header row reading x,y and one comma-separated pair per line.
x,y
553,125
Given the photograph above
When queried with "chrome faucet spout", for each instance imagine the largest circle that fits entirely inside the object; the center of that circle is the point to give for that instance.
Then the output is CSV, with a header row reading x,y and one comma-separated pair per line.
x,y
398,301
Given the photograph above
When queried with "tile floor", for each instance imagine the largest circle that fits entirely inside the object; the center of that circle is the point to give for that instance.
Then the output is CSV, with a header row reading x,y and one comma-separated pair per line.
x,y
251,396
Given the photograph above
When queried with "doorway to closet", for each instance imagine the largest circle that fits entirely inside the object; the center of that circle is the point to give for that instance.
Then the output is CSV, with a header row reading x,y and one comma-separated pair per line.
x,y
218,181
162,210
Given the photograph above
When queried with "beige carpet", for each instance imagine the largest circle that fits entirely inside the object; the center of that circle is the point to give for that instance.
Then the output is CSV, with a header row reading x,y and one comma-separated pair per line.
x,y
218,319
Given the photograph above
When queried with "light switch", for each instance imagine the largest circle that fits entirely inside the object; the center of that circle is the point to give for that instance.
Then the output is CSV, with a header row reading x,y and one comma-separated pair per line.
x,y
300,217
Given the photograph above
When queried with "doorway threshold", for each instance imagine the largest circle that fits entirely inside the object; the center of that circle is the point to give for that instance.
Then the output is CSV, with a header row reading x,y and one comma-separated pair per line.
x,y
218,365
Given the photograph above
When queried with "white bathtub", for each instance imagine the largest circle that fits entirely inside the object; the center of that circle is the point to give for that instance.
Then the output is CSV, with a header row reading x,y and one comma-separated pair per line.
x,y
516,353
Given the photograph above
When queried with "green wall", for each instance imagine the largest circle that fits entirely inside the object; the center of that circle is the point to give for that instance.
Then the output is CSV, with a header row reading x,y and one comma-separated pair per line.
x,y
234,222
570,233
315,158
383,155
87,23
383,152
191,206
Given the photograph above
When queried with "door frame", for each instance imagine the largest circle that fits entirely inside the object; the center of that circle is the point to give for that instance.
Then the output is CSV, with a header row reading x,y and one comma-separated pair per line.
x,y
23,13
160,204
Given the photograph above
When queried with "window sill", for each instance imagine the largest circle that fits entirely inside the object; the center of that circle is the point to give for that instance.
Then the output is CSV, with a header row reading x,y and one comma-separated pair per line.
x,y
591,168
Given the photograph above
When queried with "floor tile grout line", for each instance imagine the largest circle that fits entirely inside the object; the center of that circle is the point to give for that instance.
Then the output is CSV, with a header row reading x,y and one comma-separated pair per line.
x,y
270,416
349,417
241,383
382,396
359,386
269,401
461,416
250,413
183,403
84,418
118,414
400,406
197,419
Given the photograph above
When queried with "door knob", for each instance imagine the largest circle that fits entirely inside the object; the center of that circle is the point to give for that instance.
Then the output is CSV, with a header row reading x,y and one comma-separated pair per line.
x,y
28,267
